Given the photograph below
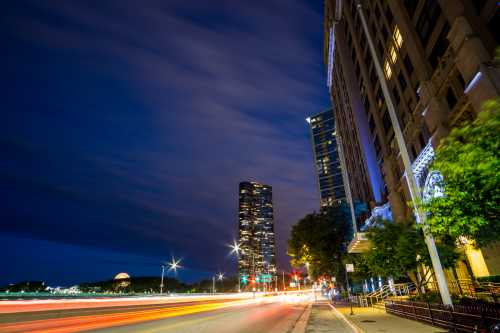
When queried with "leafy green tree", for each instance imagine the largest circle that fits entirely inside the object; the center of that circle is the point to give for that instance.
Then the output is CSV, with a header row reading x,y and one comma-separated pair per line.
x,y
469,160
320,240
399,250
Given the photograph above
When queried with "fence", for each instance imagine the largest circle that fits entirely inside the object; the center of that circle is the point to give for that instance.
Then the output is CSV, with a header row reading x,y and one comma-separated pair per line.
x,y
460,318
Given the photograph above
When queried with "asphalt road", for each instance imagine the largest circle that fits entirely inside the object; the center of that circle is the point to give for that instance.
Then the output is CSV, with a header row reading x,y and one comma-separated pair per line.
x,y
270,318
266,314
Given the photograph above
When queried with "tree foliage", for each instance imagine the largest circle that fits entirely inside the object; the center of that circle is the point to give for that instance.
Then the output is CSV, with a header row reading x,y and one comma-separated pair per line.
x,y
469,160
399,250
320,239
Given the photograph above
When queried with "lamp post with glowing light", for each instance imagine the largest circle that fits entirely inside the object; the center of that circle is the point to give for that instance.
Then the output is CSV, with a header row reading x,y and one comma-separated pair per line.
x,y
173,265
235,248
220,277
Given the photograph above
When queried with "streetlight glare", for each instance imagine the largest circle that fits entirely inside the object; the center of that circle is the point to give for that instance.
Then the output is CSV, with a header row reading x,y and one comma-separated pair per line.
x,y
174,264
235,248
220,276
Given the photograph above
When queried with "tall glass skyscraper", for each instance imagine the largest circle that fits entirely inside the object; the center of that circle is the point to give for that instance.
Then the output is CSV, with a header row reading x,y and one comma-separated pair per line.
x,y
326,158
256,230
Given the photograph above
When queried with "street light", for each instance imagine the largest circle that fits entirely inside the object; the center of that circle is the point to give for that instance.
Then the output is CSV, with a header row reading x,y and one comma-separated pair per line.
x,y
220,277
173,265
235,248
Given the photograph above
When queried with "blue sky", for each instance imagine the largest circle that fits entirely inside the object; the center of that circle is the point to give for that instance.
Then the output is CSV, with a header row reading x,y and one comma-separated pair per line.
x,y
127,126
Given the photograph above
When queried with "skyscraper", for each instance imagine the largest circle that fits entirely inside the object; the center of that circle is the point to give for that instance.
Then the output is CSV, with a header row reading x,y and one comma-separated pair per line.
x,y
326,158
256,229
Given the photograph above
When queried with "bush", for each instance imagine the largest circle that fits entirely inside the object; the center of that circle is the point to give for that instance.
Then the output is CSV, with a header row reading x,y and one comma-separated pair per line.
x,y
429,297
491,278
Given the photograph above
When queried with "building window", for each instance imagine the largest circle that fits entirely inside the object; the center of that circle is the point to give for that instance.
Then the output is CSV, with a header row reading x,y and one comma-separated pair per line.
x,y
387,69
440,47
427,20
408,65
402,81
393,55
380,99
371,123
388,15
386,121
398,38
411,5
396,95
385,33
373,78
380,49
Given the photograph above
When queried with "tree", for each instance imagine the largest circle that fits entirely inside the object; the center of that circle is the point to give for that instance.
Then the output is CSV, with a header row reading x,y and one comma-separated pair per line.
x,y
399,250
469,160
320,239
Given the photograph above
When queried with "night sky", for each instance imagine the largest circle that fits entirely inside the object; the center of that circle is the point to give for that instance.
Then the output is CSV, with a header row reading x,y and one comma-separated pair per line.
x,y
127,125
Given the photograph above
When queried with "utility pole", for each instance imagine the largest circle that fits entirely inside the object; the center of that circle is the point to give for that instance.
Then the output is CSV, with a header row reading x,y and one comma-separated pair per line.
x,y
213,284
162,273
410,178
283,280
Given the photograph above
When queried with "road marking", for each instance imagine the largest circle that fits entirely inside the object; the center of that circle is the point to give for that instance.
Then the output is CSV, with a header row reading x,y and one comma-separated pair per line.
x,y
301,323
353,326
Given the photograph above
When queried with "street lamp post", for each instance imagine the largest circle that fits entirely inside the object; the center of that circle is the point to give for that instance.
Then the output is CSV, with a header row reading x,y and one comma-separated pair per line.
x,y
236,249
410,178
220,277
162,273
173,265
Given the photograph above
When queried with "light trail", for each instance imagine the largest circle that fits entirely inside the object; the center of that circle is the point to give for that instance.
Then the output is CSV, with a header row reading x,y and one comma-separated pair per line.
x,y
66,304
89,322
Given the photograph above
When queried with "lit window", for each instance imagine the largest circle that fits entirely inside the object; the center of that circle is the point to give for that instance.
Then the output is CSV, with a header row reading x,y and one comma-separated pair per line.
x,y
397,37
393,54
387,69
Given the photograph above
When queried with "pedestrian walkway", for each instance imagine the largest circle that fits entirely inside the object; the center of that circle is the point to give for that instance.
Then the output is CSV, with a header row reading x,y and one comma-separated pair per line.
x,y
370,320
326,318
323,319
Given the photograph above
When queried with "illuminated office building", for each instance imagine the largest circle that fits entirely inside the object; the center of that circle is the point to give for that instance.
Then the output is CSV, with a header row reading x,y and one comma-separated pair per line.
x,y
256,230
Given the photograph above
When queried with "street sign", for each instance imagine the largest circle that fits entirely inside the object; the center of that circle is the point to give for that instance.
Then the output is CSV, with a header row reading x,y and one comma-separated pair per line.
x,y
349,268
266,277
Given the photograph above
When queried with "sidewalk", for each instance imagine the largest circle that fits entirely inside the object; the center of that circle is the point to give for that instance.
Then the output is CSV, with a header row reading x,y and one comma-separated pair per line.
x,y
376,320
323,318
326,318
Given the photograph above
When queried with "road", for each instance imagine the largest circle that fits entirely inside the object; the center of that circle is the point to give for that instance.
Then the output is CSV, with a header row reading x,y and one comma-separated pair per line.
x,y
264,314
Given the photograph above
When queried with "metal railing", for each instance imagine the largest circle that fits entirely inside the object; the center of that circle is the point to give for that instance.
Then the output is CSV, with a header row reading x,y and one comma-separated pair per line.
x,y
489,291
397,290
460,318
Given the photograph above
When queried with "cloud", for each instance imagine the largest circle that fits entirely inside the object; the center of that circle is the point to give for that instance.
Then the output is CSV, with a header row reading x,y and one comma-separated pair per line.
x,y
219,93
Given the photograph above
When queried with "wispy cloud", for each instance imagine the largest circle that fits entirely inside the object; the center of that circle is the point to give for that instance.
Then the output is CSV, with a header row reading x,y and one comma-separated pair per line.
x,y
220,95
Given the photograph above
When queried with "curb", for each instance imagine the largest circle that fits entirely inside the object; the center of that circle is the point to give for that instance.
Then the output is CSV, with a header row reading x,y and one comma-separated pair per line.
x,y
354,327
301,323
